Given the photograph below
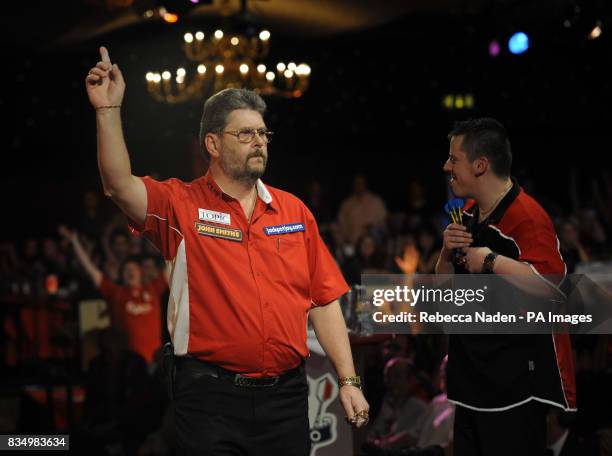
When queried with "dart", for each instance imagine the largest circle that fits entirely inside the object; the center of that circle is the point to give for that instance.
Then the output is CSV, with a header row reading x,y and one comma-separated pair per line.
x,y
449,212
457,207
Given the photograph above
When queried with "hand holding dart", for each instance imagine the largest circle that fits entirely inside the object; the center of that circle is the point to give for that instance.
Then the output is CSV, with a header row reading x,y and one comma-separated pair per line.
x,y
456,236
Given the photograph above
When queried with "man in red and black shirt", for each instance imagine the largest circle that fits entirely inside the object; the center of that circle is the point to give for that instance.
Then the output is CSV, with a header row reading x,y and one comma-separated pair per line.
x,y
502,384
247,269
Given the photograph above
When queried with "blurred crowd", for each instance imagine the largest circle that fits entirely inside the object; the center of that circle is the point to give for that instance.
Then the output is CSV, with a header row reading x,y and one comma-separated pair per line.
x,y
65,326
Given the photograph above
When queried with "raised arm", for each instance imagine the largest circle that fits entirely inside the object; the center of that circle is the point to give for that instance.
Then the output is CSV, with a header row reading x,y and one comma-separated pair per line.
x,y
82,256
105,89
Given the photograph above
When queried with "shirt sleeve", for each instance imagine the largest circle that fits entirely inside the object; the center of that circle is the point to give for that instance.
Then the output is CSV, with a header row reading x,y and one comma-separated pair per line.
x,y
161,224
326,281
539,246
159,284
108,289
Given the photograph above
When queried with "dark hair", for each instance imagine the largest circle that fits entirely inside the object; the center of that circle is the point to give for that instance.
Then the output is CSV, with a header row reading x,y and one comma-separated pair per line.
x,y
119,232
401,361
485,137
220,105
157,259
130,259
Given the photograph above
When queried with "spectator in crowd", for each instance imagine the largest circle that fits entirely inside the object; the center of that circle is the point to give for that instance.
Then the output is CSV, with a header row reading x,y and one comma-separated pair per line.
x,y
592,230
571,247
53,259
361,211
317,203
396,425
121,405
134,307
92,220
369,259
9,263
428,244
116,244
418,208
436,424
151,269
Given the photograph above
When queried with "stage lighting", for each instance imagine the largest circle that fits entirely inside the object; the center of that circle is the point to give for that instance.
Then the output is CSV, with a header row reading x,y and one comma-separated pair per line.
x,y
518,43
458,101
494,48
595,31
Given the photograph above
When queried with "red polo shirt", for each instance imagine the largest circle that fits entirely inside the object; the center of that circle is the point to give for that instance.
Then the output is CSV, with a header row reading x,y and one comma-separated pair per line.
x,y
137,310
240,292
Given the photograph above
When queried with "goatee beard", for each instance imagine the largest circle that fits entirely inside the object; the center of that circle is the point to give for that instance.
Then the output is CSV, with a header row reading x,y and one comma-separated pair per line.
x,y
246,174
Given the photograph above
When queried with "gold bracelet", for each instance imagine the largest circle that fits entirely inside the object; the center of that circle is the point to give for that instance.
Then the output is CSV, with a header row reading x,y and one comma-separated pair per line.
x,y
350,381
108,107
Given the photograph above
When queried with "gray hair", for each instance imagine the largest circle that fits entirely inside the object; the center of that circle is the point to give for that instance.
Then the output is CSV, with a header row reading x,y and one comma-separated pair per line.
x,y
218,107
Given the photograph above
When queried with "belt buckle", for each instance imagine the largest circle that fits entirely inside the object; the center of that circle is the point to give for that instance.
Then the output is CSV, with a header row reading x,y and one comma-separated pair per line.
x,y
251,382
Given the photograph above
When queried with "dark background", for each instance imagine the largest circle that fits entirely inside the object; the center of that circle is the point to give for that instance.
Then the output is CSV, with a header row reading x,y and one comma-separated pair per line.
x,y
374,103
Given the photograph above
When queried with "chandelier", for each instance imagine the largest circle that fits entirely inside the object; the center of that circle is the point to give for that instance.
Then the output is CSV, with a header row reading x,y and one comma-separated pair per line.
x,y
227,60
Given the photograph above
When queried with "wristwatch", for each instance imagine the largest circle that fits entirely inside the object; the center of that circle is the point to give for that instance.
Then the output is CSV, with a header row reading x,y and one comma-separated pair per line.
x,y
489,263
352,381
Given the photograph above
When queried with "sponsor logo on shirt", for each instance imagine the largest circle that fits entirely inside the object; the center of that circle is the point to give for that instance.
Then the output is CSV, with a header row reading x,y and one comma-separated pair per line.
x,y
207,215
137,308
217,231
284,229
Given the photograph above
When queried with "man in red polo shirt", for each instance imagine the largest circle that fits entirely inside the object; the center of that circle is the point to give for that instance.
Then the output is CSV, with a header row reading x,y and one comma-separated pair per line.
x,y
134,307
248,268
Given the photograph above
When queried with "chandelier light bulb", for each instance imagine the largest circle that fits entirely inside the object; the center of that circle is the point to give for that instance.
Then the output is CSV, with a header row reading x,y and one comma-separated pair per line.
x,y
299,70
595,31
302,70
170,18
226,59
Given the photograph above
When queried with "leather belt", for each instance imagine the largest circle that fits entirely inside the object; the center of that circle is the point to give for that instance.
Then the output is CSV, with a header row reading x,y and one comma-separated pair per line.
x,y
212,370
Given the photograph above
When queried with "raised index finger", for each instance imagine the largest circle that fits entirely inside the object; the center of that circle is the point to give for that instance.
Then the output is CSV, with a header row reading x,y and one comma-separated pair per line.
x,y
104,54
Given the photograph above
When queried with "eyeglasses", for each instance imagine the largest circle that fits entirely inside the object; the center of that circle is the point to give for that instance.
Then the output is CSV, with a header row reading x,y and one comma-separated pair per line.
x,y
246,135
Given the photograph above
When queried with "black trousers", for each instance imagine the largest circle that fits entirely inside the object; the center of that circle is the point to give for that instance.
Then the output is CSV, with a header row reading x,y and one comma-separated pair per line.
x,y
517,431
215,417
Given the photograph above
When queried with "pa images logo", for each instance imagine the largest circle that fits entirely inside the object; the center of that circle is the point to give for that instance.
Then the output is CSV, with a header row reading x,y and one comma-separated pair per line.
x,y
322,391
